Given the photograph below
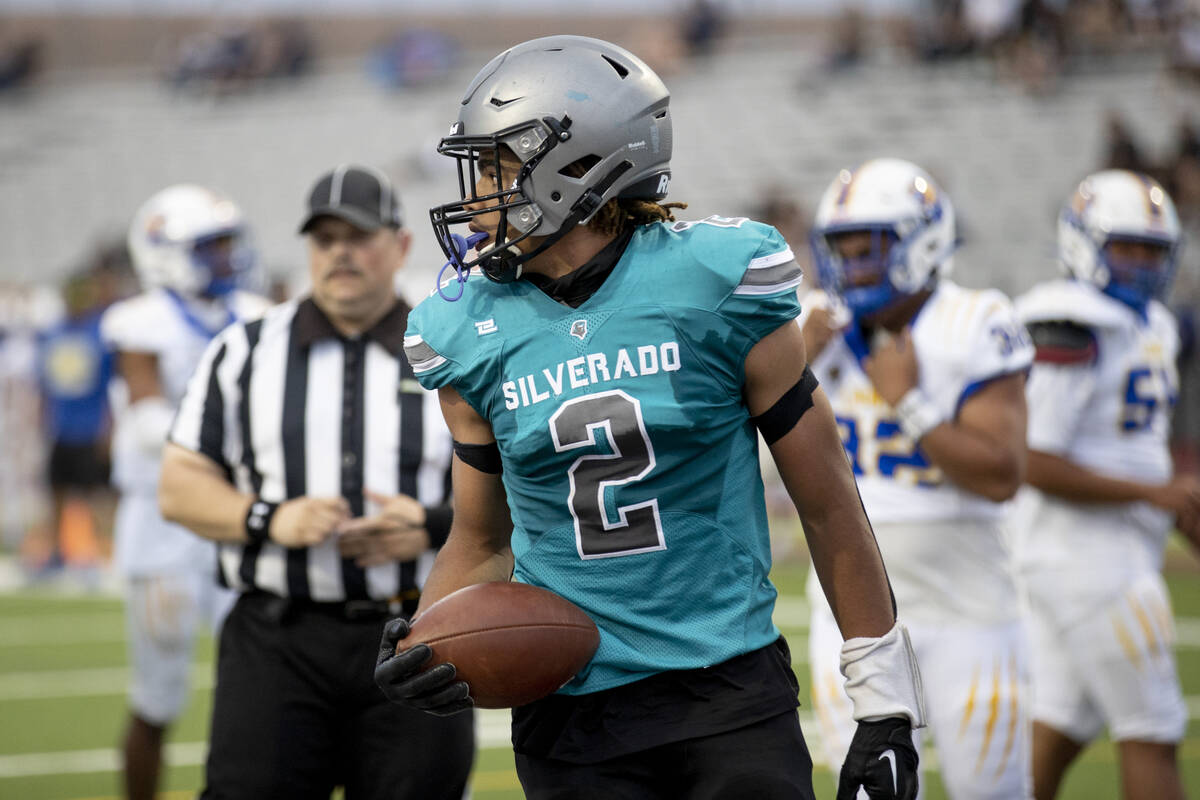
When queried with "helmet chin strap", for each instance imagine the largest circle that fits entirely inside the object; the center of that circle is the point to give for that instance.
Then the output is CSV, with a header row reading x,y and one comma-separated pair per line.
x,y
505,265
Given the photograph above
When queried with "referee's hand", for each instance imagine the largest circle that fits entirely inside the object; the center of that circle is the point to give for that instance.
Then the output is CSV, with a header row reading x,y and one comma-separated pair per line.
x,y
308,521
396,533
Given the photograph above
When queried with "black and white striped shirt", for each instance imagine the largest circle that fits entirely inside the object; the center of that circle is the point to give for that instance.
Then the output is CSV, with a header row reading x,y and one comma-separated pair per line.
x,y
289,408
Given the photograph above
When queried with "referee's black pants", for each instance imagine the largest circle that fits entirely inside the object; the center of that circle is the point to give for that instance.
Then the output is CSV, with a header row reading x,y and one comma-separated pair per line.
x,y
296,712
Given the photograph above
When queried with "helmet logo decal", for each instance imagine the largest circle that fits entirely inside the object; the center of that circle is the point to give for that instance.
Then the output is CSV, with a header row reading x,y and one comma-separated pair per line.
x,y
154,228
1154,200
847,178
925,191
664,181
1081,200
579,329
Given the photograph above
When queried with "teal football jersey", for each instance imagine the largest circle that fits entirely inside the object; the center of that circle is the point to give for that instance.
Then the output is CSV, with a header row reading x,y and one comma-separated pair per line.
x,y
630,463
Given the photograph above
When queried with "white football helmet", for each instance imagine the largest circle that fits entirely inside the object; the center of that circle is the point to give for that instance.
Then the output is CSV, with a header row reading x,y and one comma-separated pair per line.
x,y
1118,206
191,240
913,236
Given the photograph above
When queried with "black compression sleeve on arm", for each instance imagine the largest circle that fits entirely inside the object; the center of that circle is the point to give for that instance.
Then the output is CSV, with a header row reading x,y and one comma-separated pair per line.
x,y
776,421
437,523
483,457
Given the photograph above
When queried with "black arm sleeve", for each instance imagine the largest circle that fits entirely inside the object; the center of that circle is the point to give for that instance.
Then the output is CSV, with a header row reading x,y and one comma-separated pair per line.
x,y
483,457
776,421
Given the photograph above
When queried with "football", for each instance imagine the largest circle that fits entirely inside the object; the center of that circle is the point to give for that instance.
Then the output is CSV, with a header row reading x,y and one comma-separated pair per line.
x,y
511,642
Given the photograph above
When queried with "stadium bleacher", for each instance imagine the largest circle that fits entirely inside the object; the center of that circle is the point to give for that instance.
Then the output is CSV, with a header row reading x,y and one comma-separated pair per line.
x,y
76,158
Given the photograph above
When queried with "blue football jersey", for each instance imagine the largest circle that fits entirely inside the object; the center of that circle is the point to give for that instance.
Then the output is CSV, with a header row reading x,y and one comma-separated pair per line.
x,y
630,464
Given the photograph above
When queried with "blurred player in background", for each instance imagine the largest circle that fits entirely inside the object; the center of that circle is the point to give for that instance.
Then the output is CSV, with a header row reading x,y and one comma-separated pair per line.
x,y
603,388
1091,530
926,379
75,368
188,248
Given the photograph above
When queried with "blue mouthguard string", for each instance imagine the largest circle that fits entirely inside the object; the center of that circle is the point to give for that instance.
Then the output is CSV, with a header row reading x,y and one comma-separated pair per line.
x,y
460,246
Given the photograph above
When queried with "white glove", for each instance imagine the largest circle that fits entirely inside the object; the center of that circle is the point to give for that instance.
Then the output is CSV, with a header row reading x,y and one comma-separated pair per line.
x,y
882,679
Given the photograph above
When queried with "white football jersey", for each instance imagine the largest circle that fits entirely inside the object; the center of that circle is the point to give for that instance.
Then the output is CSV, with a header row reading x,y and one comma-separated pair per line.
x,y
943,545
964,339
176,331
1112,416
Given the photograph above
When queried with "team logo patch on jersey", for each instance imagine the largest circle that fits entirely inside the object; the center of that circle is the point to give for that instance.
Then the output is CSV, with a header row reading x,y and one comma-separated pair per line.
x,y
579,329
486,327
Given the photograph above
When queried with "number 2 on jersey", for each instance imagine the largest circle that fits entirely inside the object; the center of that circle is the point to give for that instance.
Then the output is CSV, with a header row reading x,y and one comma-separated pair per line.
x,y
637,528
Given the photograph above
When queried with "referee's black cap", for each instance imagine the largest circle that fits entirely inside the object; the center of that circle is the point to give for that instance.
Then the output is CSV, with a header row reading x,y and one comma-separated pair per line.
x,y
359,195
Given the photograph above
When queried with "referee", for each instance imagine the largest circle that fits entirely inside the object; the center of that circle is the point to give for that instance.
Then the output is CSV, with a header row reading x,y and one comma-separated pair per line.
x,y
307,450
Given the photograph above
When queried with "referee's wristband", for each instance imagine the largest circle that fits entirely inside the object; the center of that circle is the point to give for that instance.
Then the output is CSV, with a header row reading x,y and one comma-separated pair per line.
x,y
918,415
258,520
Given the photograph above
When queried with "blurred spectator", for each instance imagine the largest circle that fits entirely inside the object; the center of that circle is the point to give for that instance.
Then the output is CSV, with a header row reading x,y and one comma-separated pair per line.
x,y
703,24
285,50
1184,47
1185,430
416,57
20,61
1183,173
1150,16
1120,149
240,55
936,30
74,371
24,310
991,21
1183,179
849,37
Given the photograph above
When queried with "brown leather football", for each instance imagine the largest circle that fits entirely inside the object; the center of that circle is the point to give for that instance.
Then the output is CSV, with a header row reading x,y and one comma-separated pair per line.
x,y
511,642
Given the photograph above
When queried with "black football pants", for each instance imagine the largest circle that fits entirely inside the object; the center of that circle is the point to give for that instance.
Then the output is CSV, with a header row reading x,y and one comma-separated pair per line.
x,y
766,761
296,712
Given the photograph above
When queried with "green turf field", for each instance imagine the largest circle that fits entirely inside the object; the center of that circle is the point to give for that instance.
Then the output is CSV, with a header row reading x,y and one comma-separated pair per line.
x,y
62,679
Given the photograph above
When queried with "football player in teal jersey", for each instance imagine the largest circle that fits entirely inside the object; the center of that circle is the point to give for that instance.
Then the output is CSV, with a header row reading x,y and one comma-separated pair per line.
x,y
606,372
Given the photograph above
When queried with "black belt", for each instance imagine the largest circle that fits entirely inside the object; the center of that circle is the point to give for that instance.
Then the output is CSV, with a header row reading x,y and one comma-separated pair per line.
x,y
361,610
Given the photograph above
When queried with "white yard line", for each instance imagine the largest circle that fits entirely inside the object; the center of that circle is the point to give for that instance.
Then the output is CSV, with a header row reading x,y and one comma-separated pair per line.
x,y
103,681
491,731
88,628
94,682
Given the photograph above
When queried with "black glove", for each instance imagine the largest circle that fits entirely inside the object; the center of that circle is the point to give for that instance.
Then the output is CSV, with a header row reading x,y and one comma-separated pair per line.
x,y
403,681
882,760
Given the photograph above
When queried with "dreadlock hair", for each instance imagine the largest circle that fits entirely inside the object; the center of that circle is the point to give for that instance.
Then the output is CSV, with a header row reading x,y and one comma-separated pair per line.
x,y
618,215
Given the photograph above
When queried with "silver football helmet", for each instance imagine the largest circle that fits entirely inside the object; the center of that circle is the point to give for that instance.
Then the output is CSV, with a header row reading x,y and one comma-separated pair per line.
x,y
588,122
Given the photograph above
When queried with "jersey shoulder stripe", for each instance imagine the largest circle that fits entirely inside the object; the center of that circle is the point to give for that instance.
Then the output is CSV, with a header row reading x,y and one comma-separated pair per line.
x,y
771,274
1072,301
1063,343
421,356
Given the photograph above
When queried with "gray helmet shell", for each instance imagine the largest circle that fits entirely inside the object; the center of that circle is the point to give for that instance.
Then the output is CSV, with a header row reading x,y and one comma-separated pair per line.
x,y
615,109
